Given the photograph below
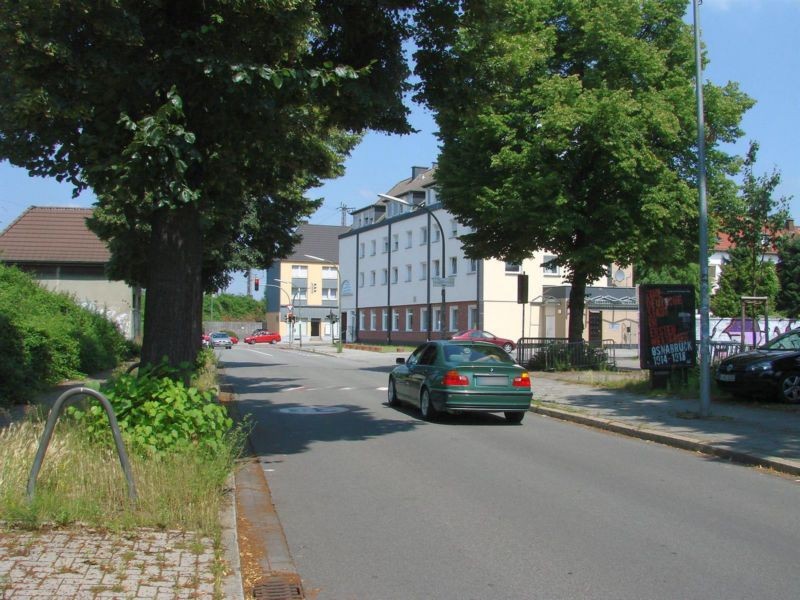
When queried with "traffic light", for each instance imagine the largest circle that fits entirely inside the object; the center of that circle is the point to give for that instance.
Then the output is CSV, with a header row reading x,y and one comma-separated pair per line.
x,y
314,288
256,284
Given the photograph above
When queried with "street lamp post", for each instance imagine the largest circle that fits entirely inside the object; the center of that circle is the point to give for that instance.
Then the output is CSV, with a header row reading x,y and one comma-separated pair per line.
x,y
441,230
294,308
338,301
288,297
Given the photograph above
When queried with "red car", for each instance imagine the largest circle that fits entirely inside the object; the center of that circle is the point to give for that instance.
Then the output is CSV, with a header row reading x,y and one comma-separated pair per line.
x,y
262,336
478,335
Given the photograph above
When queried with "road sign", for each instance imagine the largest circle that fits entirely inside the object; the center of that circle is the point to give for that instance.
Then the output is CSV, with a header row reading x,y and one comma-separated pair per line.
x,y
448,281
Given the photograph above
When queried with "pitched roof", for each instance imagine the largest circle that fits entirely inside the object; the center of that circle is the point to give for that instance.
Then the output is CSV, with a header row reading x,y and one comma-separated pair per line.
x,y
318,240
422,177
53,235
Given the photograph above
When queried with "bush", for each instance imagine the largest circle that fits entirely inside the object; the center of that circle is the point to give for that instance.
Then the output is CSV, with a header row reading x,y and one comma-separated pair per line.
x,y
158,414
45,337
560,356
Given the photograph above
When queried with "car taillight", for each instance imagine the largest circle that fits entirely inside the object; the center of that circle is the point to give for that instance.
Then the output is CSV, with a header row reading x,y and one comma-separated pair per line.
x,y
455,378
524,380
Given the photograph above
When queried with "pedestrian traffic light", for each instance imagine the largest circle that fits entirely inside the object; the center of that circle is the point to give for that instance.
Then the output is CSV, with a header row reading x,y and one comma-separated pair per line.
x,y
256,284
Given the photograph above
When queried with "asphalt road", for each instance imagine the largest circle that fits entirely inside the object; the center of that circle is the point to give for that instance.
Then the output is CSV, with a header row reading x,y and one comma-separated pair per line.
x,y
377,504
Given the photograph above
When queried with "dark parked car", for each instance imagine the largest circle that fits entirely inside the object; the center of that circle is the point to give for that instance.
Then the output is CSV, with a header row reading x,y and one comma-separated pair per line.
x,y
770,370
461,376
478,335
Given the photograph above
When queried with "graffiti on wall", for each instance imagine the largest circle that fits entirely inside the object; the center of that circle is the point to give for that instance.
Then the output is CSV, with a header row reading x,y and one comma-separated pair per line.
x,y
756,331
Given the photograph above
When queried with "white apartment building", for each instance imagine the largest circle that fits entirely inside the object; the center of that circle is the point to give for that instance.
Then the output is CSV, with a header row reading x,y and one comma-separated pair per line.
x,y
405,279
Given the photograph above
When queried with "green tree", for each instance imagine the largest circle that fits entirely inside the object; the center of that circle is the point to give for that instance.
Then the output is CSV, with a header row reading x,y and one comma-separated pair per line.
x,y
232,307
199,126
737,280
788,299
753,220
569,126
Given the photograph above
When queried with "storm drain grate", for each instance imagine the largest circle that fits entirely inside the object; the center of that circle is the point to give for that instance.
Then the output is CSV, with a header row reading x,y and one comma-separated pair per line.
x,y
277,587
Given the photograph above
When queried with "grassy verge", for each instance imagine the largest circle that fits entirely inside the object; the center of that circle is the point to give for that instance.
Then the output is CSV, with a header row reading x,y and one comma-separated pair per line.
x,y
82,481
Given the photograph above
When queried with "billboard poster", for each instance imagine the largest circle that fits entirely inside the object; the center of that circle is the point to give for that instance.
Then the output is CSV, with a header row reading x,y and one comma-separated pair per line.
x,y
667,328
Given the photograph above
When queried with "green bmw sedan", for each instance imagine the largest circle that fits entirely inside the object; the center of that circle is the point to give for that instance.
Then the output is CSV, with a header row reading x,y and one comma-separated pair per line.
x,y
461,376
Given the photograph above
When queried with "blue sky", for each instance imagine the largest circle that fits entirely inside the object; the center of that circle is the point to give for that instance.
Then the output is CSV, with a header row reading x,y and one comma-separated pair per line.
x,y
748,41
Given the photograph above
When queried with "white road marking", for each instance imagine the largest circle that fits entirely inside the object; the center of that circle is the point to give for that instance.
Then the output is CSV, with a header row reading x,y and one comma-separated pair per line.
x,y
382,389
313,410
259,352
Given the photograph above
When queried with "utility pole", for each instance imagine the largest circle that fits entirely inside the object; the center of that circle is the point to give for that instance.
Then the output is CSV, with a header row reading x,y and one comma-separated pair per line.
x,y
343,209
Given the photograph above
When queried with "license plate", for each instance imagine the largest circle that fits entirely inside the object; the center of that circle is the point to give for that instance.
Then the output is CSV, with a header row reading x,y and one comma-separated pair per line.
x,y
726,377
491,380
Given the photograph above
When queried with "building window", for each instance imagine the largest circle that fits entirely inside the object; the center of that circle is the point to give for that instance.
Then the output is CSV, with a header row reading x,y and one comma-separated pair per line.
x,y
437,319
361,279
384,276
329,293
395,320
395,274
299,272
549,267
453,228
372,277
423,235
436,268
423,319
423,270
395,242
385,244
408,272
372,247
330,273
299,293
453,318
473,265
472,317
453,265
362,317
436,235
512,267
372,320
361,250
409,319
384,320
409,237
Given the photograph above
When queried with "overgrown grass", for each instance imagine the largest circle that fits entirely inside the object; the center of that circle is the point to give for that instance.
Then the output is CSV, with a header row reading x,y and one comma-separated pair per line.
x,y
82,481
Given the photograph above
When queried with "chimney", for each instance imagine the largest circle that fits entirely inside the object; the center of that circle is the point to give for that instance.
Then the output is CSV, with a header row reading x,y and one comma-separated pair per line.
x,y
417,171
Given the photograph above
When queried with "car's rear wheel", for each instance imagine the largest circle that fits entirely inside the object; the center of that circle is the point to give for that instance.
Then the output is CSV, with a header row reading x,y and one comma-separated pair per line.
x,y
790,388
392,394
426,408
508,348
515,416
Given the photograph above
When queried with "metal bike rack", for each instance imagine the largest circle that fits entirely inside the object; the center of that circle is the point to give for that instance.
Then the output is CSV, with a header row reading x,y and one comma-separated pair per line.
x,y
51,424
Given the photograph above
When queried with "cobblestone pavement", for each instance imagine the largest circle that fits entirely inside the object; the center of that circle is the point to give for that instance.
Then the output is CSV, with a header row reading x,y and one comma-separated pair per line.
x,y
80,563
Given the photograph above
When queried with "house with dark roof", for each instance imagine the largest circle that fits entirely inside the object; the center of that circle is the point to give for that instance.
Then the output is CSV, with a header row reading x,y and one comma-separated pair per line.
x,y
55,246
305,286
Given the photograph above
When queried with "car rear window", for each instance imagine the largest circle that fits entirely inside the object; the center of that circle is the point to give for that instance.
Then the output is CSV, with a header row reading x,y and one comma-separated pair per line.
x,y
476,353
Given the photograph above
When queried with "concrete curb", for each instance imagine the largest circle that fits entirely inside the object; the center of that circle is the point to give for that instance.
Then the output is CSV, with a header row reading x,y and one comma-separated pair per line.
x,y
670,439
232,586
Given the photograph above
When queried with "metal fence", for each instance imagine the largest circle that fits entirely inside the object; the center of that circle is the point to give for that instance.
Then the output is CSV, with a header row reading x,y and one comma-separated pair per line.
x,y
559,354
721,350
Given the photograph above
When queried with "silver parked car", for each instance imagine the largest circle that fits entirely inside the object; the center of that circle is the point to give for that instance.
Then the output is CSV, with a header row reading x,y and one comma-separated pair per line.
x,y
221,340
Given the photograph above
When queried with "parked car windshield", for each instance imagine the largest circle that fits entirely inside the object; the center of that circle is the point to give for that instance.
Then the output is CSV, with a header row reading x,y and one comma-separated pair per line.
x,y
475,353
787,341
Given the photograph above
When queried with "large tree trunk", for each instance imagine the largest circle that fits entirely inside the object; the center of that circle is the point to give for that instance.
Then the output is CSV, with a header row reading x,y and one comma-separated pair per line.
x,y
173,305
577,303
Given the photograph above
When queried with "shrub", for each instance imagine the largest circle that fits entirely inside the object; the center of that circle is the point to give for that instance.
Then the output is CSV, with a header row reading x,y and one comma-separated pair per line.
x,y
158,414
45,337
560,356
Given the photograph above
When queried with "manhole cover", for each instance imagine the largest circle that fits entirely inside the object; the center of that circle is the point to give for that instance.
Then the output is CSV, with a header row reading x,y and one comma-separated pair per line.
x,y
313,410
277,587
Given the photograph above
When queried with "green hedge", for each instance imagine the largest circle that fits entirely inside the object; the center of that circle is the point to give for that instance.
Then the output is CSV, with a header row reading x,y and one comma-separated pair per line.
x,y
45,337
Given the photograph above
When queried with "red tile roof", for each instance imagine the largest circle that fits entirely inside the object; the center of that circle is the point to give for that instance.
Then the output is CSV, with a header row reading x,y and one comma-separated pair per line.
x,y
52,235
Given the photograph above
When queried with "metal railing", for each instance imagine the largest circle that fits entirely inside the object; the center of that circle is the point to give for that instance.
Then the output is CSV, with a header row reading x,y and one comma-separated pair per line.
x,y
52,418
721,350
558,354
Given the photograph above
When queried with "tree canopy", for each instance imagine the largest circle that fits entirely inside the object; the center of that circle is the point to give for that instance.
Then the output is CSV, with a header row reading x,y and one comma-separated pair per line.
x,y
788,299
570,126
198,125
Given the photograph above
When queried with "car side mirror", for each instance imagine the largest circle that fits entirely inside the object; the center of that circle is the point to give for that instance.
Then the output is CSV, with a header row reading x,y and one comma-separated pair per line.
x,y
400,361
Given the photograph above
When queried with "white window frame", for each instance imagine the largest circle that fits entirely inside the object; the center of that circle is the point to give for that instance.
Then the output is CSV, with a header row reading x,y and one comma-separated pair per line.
x,y
362,319
423,236
362,250
395,242
373,320
361,279
437,319
372,278
436,268
330,273
409,319
384,276
385,244
423,270
329,293
299,271
408,272
372,247
453,265
473,265
409,238
513,268
472,316
395,320
437,235
453,228
384,320
395,275
550,270
453,318
423,319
